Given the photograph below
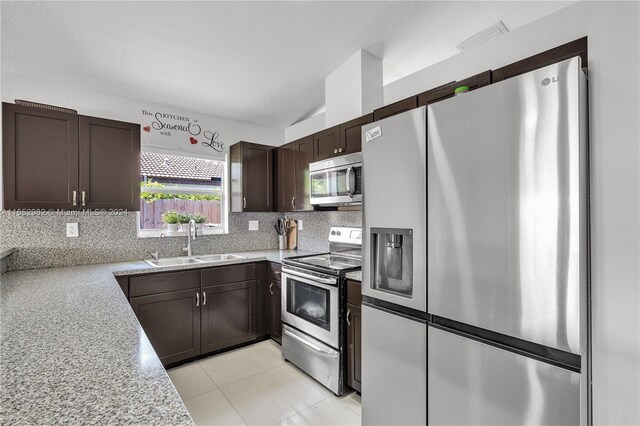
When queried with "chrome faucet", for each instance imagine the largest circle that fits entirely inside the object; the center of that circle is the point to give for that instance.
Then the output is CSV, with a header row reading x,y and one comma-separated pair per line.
x,y
191,227
155,255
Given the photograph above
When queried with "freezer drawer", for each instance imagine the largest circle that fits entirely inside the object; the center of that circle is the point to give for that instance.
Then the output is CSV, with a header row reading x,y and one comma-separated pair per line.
x,y
507,215
472,383
394,369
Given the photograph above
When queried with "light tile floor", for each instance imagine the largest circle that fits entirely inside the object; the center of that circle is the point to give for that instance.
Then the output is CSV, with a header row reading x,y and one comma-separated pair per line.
x,y
255,386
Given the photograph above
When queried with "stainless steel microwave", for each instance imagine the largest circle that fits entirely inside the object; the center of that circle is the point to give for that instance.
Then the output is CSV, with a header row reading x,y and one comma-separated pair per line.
x,y
337,181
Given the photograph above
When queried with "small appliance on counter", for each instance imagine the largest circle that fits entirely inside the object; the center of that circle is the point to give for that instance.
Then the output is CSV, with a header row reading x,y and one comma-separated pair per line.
x,y
314,308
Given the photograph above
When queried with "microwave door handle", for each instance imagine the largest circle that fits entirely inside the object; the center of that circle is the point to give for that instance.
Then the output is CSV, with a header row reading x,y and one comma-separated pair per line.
x,y
349,174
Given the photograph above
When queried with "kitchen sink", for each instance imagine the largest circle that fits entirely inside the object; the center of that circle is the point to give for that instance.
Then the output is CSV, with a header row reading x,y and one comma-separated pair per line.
x,y
218,257
177,261
173,261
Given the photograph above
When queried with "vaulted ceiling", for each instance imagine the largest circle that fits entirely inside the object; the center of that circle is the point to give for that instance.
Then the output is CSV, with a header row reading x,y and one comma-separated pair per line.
x,y
261,62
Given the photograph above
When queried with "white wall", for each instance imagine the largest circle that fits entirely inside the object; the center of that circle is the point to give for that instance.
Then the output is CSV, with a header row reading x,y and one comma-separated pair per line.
x,y
90,102
353,89
305,128
614,66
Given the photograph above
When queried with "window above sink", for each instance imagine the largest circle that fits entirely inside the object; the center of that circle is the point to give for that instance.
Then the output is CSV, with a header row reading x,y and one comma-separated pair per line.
x,y
177,186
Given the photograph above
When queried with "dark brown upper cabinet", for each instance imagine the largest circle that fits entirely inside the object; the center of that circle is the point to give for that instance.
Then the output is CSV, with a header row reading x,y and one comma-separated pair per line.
x,y
448,90
59,160
326,144
395,108
39,158
109,164
286,178
304,157
351,134
568,50
251,177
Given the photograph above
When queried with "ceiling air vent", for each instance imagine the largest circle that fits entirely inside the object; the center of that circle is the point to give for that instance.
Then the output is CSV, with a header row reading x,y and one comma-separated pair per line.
x,y
493,31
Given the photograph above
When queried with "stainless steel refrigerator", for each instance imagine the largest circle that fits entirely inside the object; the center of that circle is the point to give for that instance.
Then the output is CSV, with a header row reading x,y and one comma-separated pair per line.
x,y
503,279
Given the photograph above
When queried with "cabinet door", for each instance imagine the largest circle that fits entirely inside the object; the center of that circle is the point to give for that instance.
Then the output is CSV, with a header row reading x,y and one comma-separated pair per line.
x,y
326,144
304,156
286,184
354,344
351,134
276,306
40,158
171,321
251,177
109,164
228,315
395,108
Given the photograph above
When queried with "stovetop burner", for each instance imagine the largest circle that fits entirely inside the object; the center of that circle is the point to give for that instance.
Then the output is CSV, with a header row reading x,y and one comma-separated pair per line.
x,y
331,261
345,253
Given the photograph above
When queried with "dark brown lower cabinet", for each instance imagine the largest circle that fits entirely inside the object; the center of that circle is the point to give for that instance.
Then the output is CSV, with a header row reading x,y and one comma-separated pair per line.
x,y
171,321
354,352
276,315
354,334
228,315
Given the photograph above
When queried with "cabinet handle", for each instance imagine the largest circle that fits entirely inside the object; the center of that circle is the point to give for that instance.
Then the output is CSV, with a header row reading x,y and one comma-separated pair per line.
x,y
75,198
244,203
335,151
278,273
197,299
348,316
204,298
293,203
83,196
271,288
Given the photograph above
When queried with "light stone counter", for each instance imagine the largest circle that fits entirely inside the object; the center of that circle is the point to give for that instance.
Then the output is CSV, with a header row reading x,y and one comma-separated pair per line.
x,y
73,351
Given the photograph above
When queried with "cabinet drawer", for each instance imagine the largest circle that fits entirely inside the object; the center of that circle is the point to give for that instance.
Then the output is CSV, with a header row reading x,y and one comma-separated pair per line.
x,y
164,282
228,274
276,271
354,292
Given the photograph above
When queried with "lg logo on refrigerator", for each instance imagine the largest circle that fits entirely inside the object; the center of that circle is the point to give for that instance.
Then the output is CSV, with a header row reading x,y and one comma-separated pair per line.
x,y
548,81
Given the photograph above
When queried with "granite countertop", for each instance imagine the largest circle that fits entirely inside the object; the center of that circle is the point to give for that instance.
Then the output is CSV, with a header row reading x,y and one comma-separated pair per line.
x,y
141,267
73,351
6,251
356,275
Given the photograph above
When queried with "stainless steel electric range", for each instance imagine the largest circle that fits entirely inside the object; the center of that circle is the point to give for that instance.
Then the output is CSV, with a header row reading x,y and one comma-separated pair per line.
x,y
314,306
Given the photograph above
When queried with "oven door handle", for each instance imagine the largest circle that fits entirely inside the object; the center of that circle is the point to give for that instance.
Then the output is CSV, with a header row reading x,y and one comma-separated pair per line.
x,y
329,281
306,343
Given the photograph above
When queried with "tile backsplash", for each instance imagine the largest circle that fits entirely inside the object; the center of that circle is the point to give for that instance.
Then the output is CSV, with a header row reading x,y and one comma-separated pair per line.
x,y
41,241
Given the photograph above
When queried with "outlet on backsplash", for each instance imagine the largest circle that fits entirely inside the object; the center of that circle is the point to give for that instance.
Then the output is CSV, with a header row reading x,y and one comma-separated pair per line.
x,y
253,225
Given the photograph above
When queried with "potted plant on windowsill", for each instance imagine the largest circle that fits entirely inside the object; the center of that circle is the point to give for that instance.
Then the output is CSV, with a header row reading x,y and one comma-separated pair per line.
x,y
200,221
172,220
183,219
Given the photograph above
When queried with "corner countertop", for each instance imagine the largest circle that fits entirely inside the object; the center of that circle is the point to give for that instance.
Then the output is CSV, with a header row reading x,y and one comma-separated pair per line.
x,y
73,351
356,275
6,251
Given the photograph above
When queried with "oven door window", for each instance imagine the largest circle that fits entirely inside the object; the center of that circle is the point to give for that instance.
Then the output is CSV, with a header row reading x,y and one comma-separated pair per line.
x,y
309,302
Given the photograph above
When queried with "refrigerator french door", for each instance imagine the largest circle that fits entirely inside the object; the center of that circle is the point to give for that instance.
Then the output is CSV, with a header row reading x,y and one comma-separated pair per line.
x,y
507,252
